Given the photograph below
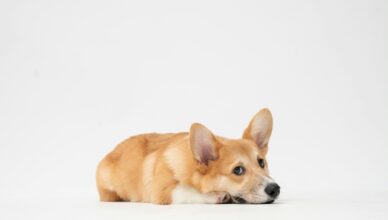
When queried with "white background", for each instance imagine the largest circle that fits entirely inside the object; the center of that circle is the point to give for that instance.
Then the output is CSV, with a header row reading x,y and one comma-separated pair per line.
x,y
77,77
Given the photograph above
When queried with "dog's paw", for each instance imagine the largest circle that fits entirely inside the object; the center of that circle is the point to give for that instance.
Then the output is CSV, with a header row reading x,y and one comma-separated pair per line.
x,y
223,197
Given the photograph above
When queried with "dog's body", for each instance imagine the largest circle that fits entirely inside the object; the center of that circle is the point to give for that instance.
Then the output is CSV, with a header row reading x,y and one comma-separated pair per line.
x,y
194,167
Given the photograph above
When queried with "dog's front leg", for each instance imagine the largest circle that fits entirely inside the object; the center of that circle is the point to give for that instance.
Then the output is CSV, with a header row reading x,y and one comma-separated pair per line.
x,y
187,194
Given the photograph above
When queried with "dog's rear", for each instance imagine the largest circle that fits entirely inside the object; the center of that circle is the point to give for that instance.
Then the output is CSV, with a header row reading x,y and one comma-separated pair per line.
x,y
125,174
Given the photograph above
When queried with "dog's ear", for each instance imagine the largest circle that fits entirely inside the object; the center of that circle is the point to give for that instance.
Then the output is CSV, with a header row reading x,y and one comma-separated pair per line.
x,y
202,143
259,130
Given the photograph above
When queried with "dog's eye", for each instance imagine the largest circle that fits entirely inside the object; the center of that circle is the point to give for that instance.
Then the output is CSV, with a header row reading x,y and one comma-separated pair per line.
x,y
261,162
239,170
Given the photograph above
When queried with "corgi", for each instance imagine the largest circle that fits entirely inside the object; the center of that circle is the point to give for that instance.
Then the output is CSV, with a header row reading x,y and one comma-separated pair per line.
x,y
191,167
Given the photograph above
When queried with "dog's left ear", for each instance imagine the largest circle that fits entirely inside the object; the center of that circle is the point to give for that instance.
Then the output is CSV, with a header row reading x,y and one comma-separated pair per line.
x,y
202,143
259,130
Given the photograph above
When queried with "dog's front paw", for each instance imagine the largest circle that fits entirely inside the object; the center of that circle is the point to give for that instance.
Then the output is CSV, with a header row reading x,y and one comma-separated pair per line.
x,y
223,197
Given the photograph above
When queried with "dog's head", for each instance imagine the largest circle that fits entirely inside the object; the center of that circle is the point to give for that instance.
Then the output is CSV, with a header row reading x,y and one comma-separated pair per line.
x,y
236,166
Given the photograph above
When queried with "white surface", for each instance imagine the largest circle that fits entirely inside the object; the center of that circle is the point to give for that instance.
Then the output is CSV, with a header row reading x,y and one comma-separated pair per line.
x,y
77,77
312,206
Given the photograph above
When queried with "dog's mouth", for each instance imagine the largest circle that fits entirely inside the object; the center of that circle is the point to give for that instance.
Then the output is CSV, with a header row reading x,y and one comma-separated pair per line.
x,y
239,200
228,199
269,201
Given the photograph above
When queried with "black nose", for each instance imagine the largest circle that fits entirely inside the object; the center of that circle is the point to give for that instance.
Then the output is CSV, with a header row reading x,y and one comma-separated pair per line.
x,y
272,190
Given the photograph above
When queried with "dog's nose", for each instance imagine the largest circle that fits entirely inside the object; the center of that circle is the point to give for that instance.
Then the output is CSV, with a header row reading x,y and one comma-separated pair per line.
x,y
272,190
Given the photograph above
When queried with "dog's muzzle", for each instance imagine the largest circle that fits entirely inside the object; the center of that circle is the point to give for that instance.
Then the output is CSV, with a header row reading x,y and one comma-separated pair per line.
x,y
272,191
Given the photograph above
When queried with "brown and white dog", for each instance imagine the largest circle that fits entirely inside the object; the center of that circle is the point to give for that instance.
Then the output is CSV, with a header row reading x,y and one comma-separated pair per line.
x,y
194,167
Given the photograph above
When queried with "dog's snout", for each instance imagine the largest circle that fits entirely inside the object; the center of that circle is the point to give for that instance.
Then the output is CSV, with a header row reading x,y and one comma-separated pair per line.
x,y
272,190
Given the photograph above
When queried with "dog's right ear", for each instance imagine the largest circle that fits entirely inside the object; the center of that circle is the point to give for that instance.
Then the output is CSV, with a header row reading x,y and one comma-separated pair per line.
x,y
259,130
202,143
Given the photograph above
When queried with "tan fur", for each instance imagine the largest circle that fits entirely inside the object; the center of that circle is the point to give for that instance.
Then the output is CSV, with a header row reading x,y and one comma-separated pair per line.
x,y
148,167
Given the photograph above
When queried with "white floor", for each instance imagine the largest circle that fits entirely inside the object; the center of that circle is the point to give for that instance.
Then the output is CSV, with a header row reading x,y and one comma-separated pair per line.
x,y
365,206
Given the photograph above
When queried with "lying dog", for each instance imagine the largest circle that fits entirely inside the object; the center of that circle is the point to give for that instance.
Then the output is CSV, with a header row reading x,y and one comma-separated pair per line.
x,y
194,167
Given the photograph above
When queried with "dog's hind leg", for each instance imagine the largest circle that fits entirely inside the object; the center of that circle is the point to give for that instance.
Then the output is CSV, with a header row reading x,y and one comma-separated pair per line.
x,y
104,186
108,196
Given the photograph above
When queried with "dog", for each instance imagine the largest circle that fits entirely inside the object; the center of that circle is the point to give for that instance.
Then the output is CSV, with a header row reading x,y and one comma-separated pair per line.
x,y
191,167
